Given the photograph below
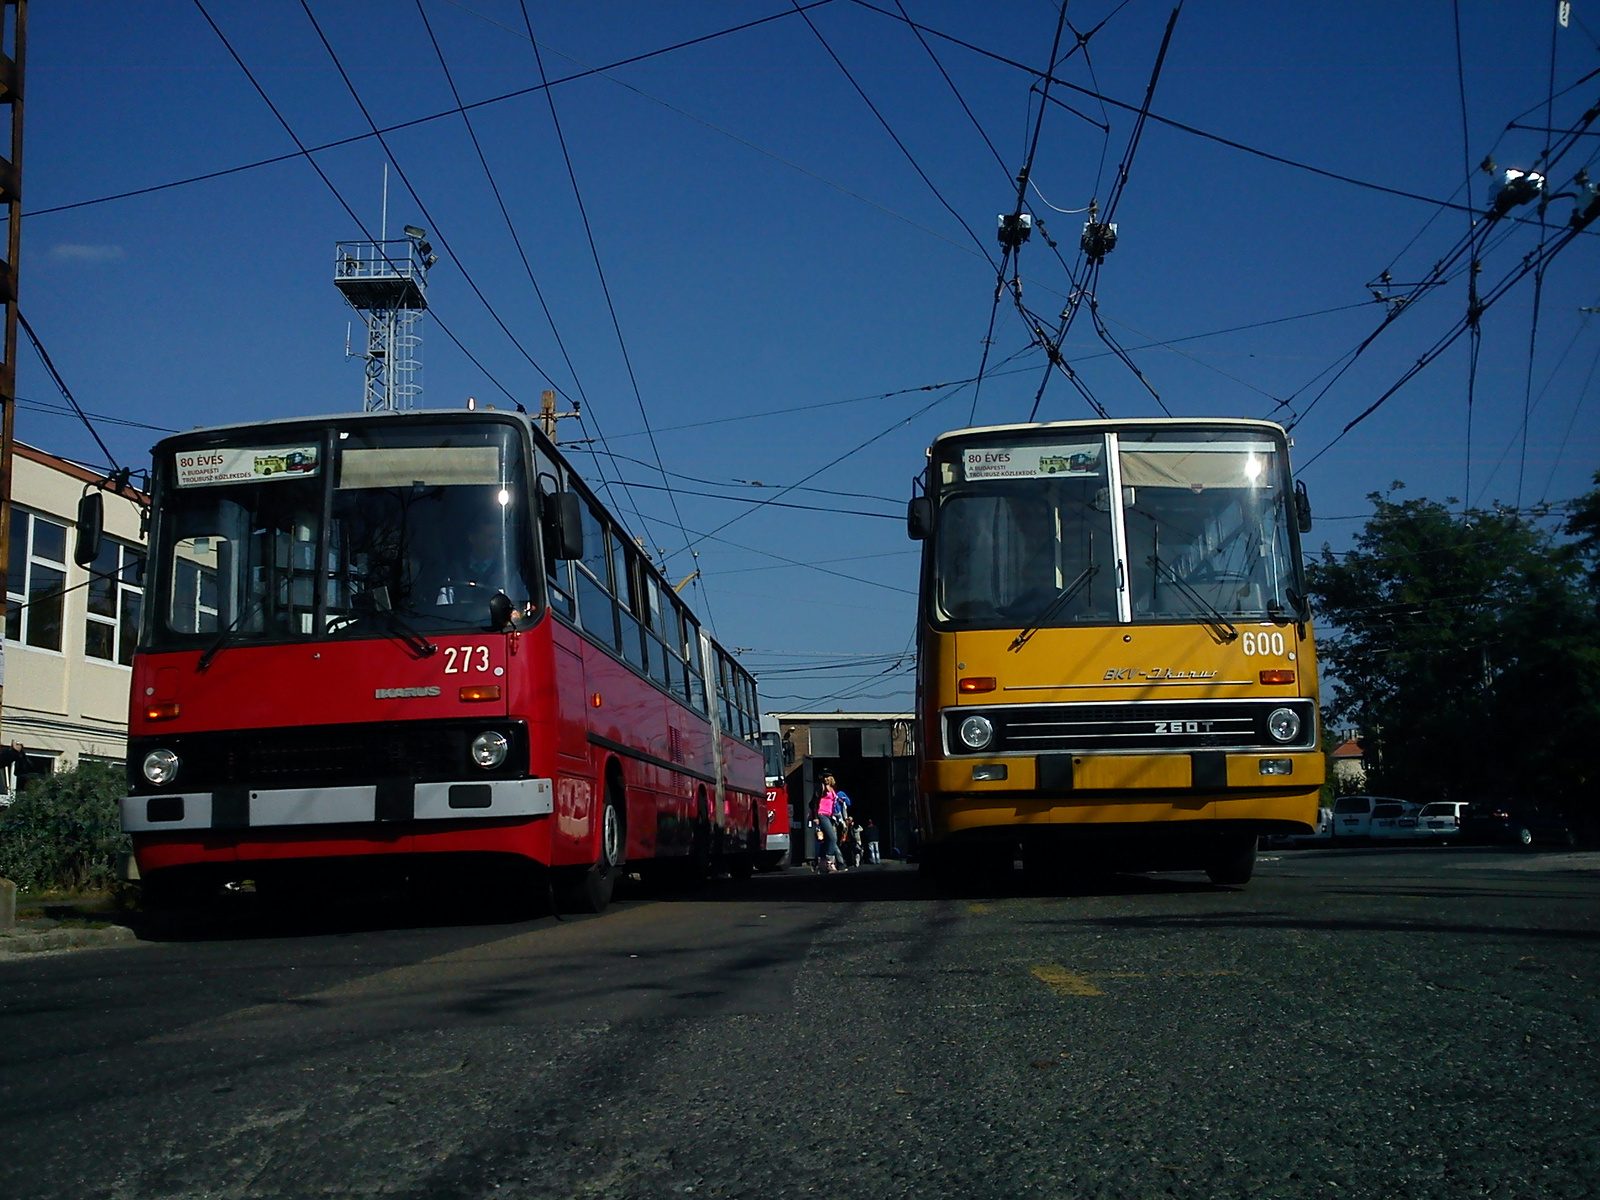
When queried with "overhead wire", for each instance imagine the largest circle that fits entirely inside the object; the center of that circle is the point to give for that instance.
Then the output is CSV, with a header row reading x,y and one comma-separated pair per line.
x,y
1086,289
66,392
337,195
431,117
583,399
856,449
421,204
1538,275
616,323
1011,247
889,129
1475,336
1541,255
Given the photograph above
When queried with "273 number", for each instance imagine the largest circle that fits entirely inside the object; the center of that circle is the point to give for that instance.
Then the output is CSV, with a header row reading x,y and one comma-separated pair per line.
x,y
458,660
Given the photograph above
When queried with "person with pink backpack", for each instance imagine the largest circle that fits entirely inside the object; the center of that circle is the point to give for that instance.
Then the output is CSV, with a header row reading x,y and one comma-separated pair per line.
x,y
824,812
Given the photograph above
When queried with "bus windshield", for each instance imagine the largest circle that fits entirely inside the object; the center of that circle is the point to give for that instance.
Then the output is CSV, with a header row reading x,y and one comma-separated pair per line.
x,y
1066,528
422,525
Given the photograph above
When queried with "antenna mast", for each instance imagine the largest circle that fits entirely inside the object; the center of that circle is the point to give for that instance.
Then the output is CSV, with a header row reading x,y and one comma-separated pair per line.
x,y
386,282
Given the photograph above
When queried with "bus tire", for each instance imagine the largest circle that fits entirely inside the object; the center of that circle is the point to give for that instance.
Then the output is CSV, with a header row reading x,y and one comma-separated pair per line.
x,y
591,891
1233,862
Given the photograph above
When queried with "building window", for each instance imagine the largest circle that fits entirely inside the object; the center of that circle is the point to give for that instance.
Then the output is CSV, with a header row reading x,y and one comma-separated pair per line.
x,y
36,577
116,593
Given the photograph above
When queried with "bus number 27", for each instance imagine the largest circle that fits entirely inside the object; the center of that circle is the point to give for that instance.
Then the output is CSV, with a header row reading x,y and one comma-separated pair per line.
x,y
458,660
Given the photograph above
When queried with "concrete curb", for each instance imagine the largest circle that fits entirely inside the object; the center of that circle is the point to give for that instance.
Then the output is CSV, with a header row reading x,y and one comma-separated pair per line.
x,y
65,939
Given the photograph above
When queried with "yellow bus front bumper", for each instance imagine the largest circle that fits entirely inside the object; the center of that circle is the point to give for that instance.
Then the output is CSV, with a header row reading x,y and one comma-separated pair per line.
x,y
1121,789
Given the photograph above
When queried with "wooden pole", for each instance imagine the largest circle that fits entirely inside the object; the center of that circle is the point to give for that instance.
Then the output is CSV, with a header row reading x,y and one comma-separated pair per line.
x,y
13,42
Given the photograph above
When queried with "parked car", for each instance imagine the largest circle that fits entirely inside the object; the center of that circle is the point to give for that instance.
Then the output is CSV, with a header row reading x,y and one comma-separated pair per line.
x,y
1517,823
1441,820
1352,815
1393,820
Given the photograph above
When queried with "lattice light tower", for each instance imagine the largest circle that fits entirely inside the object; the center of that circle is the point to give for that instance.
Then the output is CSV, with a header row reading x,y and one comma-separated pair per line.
x,y
386,282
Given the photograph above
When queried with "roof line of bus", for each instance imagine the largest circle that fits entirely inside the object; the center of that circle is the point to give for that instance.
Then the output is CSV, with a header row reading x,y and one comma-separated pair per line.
x,y
520,418
330,418
1113,423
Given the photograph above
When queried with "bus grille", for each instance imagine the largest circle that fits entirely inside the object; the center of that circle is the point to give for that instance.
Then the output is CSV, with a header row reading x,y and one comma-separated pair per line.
x,y
1163,725
328,755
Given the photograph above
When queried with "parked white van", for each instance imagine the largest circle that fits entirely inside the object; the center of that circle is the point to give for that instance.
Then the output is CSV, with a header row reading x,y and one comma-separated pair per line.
x,y
1352,815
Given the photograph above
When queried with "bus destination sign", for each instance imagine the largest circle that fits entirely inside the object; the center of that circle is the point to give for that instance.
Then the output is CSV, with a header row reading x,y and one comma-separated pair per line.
x,y
230,464
1031,462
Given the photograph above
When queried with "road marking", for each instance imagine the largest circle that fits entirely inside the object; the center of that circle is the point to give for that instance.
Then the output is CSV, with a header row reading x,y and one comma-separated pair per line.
x,y
980,909
1064,982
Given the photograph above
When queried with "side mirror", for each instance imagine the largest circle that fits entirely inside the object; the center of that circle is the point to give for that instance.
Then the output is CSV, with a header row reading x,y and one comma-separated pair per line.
x,y
561,515
569,526
1302,507
91,527
499,611
919,518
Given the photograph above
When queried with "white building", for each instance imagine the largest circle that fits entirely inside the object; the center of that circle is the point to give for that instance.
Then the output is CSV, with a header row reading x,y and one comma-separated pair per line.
x,y
70,630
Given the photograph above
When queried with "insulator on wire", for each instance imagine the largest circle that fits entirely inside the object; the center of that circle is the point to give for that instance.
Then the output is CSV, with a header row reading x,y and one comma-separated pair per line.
x,y
1099,239
1014,229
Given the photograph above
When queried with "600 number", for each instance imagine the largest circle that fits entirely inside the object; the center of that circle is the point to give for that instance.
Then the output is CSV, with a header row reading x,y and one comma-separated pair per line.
x,y
1263,643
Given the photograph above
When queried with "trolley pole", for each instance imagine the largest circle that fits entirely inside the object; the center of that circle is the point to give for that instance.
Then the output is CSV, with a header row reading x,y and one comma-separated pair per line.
x,y
13,40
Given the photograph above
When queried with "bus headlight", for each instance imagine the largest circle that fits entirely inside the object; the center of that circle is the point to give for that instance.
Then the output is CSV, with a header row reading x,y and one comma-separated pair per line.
x,y
1283,724
489,749
976,732
161,767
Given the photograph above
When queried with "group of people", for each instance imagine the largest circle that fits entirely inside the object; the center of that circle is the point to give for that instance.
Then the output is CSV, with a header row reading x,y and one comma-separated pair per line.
x,y
841,841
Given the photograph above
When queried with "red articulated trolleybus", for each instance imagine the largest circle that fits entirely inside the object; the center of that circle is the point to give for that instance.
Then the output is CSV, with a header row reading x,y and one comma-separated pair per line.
x,y
385,639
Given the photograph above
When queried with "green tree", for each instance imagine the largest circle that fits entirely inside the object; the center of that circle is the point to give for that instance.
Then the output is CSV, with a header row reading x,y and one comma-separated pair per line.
x,y
1466,649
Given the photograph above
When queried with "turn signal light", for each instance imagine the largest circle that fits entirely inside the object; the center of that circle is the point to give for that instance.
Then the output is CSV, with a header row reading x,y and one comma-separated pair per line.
x,y
1277,677
977,683
479,693
161,710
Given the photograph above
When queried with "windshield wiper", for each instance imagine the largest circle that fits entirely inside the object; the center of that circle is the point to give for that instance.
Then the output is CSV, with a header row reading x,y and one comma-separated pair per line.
x,y
419,645
1055,606
1213,620
225,636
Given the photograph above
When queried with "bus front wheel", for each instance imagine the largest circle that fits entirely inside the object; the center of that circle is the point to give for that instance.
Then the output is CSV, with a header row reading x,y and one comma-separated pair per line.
x,y
592,889
1232,862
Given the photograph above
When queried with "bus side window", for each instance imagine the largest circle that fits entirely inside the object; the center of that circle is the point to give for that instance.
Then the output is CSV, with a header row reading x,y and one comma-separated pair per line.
x,y
595,607
691,663
629,567
660,665
677,679
724,692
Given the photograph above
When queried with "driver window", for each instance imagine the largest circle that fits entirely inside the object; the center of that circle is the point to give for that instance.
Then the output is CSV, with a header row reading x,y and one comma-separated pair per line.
x,y
195,561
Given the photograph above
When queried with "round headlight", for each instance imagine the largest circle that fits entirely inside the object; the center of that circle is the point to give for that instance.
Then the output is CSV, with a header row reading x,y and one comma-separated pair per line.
x,y
160,767
1283,724
976,732
489,749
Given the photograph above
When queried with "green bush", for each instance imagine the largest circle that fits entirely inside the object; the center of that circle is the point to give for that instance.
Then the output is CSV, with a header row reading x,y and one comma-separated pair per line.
x,y
65,830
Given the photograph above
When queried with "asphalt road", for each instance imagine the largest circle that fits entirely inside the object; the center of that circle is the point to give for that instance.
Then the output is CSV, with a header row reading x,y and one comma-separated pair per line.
x,y
1354,1023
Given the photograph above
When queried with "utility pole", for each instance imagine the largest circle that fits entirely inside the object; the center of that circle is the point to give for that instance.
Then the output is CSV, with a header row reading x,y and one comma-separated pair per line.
x,y
13,39
548,416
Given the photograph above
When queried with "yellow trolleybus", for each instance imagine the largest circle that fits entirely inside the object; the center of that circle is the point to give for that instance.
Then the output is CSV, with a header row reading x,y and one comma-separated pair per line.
x,y
1115,655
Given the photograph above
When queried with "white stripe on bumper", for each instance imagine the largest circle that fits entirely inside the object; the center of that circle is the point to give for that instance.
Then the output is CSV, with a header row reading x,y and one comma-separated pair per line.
x,y
279,807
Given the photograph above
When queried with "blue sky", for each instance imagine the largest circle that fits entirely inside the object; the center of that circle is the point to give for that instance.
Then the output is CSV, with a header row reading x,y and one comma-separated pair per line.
x,y
768,247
